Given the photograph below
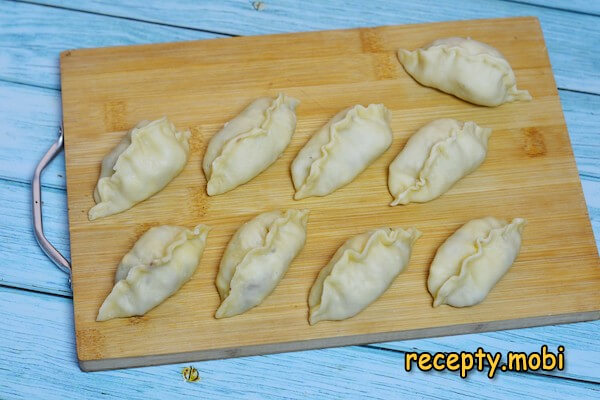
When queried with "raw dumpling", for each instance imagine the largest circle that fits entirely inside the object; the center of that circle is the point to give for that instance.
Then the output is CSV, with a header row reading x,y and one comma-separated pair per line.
x,y
341,150
466,68
249,143
435,158
143,163
160,262
359,272
257,258
471,261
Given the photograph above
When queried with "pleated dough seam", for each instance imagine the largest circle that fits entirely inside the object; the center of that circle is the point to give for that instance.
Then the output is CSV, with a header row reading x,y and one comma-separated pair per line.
x,y
333,130
411,233
433,157
124,286
480,243
136,136
486,58
273,230
506,70
261,129
179,240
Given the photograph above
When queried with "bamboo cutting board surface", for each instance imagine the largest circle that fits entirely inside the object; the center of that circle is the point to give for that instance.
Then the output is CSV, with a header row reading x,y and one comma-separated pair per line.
x,y
529,172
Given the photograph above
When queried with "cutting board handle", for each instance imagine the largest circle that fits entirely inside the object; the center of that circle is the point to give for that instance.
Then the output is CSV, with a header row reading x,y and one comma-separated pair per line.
x,y
38,228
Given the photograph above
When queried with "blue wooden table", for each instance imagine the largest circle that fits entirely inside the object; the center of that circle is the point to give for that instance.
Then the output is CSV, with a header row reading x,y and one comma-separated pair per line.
x,y
37,343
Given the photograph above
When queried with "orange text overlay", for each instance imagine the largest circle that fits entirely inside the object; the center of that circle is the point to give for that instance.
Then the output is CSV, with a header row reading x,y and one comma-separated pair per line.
x,y
465,362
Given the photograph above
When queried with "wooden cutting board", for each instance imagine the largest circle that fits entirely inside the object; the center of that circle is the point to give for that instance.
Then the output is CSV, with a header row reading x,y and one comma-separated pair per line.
x,y
529,172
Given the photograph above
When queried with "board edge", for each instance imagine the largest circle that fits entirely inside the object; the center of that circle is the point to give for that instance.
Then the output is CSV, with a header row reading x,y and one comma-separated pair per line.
x,y
339,341
85,51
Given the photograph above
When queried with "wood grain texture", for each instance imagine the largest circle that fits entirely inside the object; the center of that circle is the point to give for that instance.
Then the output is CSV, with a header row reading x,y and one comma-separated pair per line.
x,y
37,359
28,269
28,114
36,272
205,92
60,378
30,117
33,35
574,60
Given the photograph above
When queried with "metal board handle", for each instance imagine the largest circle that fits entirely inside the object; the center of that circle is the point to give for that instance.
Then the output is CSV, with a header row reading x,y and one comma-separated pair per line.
x,y
38,227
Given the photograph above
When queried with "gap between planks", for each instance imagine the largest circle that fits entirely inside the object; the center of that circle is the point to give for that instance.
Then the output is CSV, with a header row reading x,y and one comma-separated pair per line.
x,y
522,7
158,23
372,347
149,21
39,292
526,3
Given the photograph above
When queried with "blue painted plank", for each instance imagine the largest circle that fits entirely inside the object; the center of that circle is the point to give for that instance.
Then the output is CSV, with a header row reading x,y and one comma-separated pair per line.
x,y
27,129
583,6
582,347
591,190
24,264
37,360
589,186
35,271
582,115
29,121
28,124
29,118
574,59
32,37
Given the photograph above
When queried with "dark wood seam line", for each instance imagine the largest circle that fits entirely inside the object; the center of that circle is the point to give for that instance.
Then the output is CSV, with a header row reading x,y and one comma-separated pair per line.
x,y
29,84
552,8
36,291
27,183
